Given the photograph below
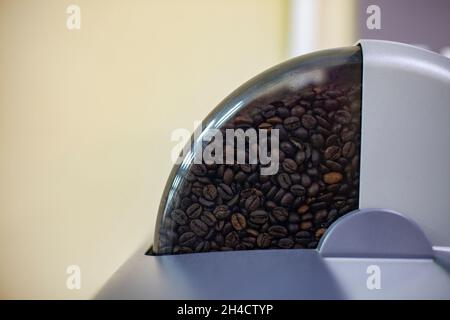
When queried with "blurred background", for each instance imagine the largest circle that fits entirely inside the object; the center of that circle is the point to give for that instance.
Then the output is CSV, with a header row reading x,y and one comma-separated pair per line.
x,y
87,109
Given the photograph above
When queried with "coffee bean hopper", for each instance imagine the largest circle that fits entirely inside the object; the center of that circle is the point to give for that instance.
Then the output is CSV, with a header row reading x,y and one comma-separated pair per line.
x,y
357,208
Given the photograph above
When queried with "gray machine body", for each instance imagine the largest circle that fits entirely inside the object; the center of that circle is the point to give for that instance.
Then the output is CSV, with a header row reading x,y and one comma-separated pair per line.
x,y
369,253
392,259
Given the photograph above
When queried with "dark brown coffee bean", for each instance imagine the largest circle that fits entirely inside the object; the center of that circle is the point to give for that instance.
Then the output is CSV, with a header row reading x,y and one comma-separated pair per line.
x,y
204,202
268,111
347,135
298,111
252,232
238,221
280,214
334,166
320,215
221,212
240,177
225,191
231,239
209,218
287,199
291,123
199,227
274,120
210,192
298,190
259,217
300,156
349,149
283,112
279,195
306,180
289,165
285,243
332,153
288,148
263,240
194,210
252,203
317,140
278,231
187,239
199,169
300,133
228,176
342,117
203,246
313,189
308,121
179,216
284,181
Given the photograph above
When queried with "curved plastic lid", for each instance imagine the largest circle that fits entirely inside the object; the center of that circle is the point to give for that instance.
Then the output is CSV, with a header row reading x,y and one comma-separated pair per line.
x,y
273,165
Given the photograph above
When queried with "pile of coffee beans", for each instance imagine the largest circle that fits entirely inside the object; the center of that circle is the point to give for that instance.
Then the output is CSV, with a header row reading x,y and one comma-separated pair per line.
x,y
221,207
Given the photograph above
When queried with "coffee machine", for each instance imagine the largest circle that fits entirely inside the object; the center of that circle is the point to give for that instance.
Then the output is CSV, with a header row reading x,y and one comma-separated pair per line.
x,y
363,138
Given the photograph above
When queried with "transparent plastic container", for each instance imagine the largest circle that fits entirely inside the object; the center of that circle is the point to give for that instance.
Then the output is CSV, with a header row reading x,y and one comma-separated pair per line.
x,y
311,106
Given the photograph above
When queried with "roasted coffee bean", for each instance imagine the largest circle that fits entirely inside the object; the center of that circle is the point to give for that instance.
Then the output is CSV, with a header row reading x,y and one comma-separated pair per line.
x,y
288,148
231,239
194,210
179,216
278,231
331,105
225,191
203,246
332,177
238,221
332,153
199,227
228,176
291,123
205,202
280,214
300,156
199,169
321,215
285,243
263,240
319,233
298,190
187,239
287,199
349,149
268,111
209,218
221,212
332,165
317,140
298,111
308,121
252,203
284,181
342,117
289,165
259,216
282,112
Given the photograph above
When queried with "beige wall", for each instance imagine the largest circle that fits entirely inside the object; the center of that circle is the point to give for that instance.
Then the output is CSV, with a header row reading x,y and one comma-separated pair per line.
x,y
86,117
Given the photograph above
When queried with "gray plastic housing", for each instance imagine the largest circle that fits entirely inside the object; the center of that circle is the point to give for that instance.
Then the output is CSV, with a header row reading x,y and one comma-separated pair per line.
x,y
331,272
405,135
